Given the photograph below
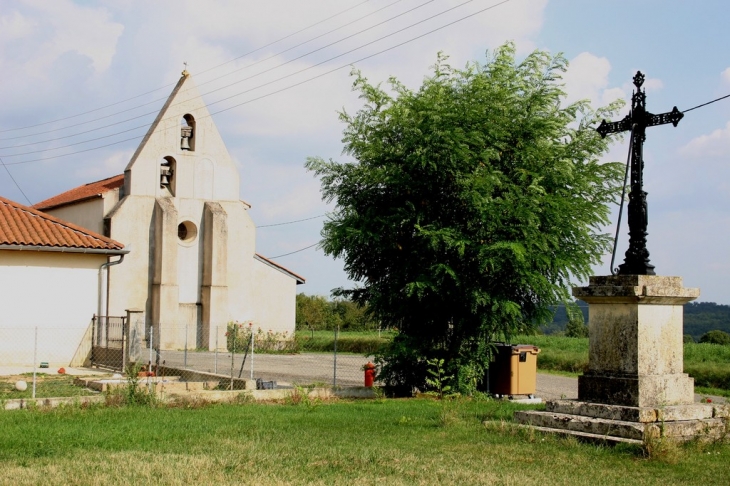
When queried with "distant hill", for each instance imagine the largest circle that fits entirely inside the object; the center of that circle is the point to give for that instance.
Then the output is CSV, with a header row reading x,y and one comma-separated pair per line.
x,y
699,317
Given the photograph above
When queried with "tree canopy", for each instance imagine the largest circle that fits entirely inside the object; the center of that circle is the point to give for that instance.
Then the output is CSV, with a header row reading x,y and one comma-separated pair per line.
x,y
469,206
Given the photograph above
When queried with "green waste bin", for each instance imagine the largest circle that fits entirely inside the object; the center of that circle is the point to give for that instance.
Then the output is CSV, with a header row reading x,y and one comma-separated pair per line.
x,y
513,370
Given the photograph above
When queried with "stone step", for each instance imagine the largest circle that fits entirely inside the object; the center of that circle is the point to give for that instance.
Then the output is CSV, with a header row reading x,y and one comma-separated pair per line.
x,y
579,423
681,430
694,411
586,436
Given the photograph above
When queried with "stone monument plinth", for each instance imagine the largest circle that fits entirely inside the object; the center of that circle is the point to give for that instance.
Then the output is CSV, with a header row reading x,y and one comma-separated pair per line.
x,y
636,354
635,386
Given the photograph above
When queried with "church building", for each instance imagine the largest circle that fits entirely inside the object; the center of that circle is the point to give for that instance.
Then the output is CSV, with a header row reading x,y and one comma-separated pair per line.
x,y
192,266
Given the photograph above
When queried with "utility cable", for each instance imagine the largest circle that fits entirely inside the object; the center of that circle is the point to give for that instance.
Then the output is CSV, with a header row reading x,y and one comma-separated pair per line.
x,y
201,72
614,271
708,103
299,83
222,87
293,252
15,182
289,222
110,115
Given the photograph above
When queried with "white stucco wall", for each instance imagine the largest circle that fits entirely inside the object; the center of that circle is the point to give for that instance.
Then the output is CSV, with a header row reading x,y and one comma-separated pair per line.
x,y
55,292
275,295
87,214
129,282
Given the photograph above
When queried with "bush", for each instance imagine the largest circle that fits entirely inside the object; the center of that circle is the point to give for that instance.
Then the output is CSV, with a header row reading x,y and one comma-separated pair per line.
x,y
238,339
716,337
688,339
576,329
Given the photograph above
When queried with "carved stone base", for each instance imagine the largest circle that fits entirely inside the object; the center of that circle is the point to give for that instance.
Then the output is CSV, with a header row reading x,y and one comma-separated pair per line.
x,y
612,423
637,390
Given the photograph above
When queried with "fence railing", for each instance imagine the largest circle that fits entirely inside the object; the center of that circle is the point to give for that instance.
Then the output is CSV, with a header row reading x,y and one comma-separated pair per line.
x,y
248,354
233,353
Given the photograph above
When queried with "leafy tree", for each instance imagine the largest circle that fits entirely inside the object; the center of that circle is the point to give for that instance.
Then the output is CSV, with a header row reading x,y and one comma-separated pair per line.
x,y
716,337
576,326
470,205
315,312
312,312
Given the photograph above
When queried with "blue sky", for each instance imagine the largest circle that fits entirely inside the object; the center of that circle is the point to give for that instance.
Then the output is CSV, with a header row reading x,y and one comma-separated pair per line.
x,y
63,58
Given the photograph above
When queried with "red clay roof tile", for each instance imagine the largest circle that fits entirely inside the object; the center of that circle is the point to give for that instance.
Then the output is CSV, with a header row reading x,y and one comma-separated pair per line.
x,y
24,226
81,193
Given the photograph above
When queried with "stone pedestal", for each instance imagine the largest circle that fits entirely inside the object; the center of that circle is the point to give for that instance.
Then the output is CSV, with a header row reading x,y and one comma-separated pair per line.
x,y
635,386
636,347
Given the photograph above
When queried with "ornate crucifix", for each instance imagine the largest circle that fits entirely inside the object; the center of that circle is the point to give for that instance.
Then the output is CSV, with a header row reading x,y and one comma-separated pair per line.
x,y
636,261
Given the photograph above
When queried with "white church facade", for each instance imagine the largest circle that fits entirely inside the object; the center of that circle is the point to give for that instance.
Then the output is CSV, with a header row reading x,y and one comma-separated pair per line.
x,y
192,264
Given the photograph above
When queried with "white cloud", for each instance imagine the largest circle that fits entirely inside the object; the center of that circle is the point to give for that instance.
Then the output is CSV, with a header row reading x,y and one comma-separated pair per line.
x,y
587,78
726,75
112,164
716,144
15,26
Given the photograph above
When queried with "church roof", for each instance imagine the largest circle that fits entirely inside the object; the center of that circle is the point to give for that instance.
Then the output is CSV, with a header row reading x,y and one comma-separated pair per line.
x,y
271,263
82,193
21,226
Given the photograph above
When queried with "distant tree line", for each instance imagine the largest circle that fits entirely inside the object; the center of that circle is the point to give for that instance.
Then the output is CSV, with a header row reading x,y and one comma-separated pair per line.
x,y
699,319
317,313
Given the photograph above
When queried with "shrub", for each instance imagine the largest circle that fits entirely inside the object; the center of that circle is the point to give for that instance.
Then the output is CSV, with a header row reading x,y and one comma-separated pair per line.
x,y
716,337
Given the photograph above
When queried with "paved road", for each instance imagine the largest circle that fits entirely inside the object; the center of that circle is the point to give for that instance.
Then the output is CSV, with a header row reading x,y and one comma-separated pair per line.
x,y
308,368
304,368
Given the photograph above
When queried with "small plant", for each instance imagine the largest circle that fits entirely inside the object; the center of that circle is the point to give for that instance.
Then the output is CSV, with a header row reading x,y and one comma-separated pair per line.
x,y
437,379
300,396
663,449
134,394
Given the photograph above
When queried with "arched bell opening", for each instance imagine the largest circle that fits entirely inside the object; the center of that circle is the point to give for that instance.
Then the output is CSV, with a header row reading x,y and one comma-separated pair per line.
x,y
187,133
168,166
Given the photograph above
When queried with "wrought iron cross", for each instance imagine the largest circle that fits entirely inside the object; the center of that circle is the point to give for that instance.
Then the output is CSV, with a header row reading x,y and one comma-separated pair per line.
x,y
636,261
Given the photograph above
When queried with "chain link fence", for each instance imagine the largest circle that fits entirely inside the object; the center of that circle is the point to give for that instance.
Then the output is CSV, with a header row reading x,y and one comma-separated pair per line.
x,y
239,353
227,354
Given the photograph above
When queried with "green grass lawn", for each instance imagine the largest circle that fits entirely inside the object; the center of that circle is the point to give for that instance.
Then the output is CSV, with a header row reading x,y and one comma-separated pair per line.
x,y
708,364
363,442
47,386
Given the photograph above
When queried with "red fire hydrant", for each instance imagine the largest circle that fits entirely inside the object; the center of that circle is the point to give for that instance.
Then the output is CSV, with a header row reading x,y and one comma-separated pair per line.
x,y
369,374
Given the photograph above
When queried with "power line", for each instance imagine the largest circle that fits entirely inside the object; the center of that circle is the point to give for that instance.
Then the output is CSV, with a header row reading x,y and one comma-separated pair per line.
x,y
204,71
298,72
15,182
220,77
708,103
289,222
201,84
293,252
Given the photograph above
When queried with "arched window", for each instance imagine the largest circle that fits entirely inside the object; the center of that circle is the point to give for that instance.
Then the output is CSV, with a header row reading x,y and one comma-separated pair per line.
x,y
167,174
187,133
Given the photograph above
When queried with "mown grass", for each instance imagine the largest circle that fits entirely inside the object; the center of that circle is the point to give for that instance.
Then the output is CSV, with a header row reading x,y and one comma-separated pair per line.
x,y
47,386
366,442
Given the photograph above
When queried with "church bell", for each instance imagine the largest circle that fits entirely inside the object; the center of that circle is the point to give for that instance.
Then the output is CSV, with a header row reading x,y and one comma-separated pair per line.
x,y
185,134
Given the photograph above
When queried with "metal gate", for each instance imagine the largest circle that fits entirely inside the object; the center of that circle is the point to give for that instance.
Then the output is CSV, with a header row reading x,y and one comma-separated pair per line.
x,y
108,342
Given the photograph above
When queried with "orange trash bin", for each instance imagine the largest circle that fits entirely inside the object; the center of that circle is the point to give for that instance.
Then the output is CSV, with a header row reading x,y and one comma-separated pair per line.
x,y
513,370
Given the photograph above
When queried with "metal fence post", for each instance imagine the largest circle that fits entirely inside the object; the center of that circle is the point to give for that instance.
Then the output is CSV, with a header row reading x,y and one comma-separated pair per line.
x,y
252,341
35,358
185,356
233,350
334,379
152,343
124,349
